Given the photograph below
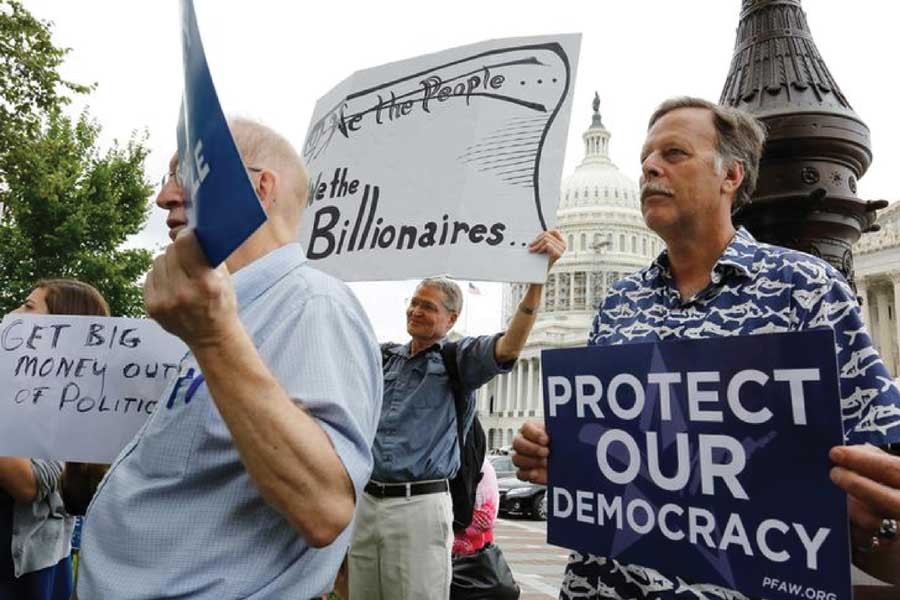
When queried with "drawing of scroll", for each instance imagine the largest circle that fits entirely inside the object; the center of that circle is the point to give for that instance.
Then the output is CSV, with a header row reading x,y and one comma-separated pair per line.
x,y
516,92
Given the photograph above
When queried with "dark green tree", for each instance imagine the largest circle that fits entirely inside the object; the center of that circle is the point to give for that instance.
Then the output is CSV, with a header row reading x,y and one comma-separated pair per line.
x,y
67,211
65,207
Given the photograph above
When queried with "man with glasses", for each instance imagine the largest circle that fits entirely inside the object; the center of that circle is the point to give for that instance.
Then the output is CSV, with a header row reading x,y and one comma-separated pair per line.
x,y
401,548
243,482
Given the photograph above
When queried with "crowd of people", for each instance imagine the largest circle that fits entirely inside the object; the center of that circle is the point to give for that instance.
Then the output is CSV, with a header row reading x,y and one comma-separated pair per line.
x,y
296,446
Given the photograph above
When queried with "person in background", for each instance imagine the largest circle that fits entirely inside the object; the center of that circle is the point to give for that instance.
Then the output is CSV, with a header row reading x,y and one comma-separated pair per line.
x,y
402,547
35,529
480,531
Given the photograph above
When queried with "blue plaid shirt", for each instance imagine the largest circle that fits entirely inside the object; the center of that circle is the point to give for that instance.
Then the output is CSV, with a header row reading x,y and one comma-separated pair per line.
x,y
755,288
177,516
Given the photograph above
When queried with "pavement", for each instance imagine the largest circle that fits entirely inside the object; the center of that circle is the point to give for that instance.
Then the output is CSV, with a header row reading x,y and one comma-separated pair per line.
x,y
537,566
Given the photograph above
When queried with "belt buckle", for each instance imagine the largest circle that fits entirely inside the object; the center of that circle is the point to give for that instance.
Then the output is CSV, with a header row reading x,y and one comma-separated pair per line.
x,y
380,489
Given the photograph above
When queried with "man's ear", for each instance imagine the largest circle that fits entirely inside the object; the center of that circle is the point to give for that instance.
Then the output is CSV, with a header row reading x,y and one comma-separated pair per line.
x,y
734,177
453,316
268,183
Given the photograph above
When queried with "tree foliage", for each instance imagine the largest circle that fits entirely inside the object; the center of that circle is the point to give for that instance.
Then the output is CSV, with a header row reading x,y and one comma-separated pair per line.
x,y
30,83
65,207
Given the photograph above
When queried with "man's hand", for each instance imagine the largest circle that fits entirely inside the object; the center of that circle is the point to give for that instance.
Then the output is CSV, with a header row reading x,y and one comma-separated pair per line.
x,y
871,478
551,243
532,447
188,298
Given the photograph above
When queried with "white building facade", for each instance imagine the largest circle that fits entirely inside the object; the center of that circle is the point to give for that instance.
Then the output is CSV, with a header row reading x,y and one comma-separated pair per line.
x,y
599,214
877,274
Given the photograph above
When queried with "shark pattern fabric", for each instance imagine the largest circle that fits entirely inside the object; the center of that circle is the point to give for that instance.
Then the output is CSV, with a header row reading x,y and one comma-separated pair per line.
x,y
755,288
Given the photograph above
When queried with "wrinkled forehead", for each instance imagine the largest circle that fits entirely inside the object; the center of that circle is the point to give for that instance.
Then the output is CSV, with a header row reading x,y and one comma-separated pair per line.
x,y
691,125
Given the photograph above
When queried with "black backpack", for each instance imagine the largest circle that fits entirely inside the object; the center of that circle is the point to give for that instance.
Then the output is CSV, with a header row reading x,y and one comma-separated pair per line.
x,y
472,447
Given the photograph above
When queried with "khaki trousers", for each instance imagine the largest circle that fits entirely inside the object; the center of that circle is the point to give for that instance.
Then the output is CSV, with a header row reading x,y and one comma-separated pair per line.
x,y
401,548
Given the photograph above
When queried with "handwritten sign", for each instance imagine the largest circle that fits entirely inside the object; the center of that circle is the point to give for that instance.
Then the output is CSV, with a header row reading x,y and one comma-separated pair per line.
x,y
221,204
79,388
706,460
443,164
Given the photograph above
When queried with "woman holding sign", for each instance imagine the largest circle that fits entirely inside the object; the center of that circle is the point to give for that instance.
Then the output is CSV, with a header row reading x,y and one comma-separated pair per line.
x,y
35,529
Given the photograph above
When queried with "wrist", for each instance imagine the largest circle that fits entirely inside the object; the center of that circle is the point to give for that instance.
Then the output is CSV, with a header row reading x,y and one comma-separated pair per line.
x,y
528,310
223,339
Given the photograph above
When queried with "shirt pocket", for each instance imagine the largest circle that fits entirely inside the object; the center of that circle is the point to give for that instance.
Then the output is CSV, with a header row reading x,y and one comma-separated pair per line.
x,y
169,440
435,388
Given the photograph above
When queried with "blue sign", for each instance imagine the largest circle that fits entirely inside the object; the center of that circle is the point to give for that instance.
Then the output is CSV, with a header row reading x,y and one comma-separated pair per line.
x,y
222,205
706,460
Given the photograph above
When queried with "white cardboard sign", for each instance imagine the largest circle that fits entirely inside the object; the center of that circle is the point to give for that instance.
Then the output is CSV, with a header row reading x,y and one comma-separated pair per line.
x,y
447,163
78,388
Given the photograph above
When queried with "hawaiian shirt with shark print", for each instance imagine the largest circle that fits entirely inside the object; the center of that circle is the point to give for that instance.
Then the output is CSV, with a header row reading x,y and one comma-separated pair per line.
x,y
755,288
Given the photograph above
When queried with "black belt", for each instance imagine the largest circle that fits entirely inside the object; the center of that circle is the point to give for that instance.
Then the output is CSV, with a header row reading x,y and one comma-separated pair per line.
x,y
400,490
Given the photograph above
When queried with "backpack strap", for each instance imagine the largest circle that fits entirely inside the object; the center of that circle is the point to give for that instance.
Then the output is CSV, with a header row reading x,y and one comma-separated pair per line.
x,y
385,347
449,355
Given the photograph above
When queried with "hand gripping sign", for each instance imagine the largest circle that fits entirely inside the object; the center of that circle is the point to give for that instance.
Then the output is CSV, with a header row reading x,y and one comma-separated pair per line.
x,y
222,206
703,461
447,163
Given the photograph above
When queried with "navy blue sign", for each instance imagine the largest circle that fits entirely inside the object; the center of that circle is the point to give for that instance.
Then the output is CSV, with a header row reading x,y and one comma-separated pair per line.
x,y
706,460
222,205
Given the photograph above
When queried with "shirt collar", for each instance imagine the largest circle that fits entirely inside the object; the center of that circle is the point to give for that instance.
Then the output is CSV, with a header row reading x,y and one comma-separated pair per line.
x,y
738,257
254,279
404,350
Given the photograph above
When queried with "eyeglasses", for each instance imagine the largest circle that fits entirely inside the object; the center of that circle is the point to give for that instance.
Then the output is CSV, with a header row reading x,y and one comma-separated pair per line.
x,y
171,175
176,176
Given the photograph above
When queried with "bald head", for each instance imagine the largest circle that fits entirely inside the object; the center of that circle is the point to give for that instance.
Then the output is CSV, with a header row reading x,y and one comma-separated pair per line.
x,y
263,148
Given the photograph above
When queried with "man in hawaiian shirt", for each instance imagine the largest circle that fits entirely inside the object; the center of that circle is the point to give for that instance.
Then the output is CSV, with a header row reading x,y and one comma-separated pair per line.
x,y
699,162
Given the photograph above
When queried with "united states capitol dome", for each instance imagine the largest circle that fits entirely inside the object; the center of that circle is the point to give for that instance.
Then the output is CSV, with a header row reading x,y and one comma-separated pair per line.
x,y
599,214
597,180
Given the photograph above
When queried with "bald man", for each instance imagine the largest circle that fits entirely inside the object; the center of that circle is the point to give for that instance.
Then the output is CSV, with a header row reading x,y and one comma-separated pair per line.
x,y
243,482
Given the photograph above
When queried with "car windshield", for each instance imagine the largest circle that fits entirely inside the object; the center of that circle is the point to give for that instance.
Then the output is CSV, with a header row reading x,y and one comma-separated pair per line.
x,y
502,464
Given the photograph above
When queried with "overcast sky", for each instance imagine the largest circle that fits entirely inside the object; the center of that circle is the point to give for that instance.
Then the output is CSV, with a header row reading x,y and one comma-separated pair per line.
x,y
272,60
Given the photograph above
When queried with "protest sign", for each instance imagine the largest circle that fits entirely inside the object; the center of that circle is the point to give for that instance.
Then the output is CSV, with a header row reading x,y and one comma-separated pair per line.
x,y
447,163
705,460
221,203
78,388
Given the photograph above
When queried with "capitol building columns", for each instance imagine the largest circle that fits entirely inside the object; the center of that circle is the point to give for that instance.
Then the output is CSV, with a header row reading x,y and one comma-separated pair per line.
x,y
879,294
895,280
877,276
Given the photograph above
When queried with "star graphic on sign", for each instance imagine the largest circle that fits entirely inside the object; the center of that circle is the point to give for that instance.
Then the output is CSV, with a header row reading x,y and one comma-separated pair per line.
x,y
643,487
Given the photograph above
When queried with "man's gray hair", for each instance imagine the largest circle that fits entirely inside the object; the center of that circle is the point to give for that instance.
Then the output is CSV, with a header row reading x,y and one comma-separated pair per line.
x,y
740,138
453,297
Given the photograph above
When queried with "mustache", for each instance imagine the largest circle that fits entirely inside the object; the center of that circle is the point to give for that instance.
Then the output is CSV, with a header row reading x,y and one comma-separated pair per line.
x,y
654,187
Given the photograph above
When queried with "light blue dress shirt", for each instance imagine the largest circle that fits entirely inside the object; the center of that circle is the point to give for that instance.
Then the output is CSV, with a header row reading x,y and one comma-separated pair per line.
x,y
178,516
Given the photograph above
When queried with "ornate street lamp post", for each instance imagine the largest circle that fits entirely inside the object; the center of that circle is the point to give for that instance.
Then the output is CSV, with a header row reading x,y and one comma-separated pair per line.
x,y
817,146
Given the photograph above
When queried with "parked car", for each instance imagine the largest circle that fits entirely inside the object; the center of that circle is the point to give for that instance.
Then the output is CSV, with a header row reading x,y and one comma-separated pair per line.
x,y
503,466
522,498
